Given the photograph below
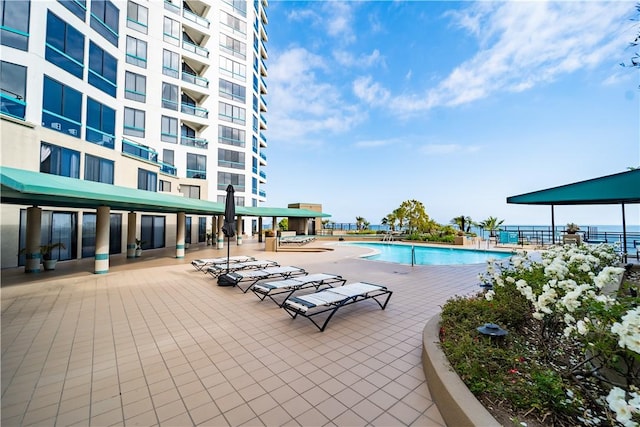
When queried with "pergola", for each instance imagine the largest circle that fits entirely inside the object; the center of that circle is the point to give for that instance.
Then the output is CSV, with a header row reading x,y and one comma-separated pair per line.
x,y
617,189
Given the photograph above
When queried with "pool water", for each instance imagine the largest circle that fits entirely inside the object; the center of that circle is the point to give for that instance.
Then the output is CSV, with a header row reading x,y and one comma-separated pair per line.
x,y
401,254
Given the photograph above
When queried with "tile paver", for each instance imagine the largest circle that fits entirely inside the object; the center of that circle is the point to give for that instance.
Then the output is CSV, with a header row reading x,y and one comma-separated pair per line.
x,y
158,343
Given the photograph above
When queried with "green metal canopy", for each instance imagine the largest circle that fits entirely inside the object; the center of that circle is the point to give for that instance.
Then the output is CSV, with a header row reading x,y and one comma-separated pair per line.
x,y
23,187
613,189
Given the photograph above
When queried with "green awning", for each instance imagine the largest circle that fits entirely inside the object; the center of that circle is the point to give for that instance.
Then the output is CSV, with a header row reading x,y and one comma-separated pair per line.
x,y
23,187
619,188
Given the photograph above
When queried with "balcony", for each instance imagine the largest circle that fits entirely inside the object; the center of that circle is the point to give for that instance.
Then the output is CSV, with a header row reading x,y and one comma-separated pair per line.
x,y
197,174
139,151
194,48
98,137
191,141
263,156
168,169
168,5
189,15
262,193
263,175
193,79
263,140
12,106
194,111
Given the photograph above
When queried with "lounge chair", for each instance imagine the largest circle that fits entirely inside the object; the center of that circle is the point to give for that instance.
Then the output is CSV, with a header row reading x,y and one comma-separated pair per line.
x,y
218,269
330,300
251,277
289,286
200,264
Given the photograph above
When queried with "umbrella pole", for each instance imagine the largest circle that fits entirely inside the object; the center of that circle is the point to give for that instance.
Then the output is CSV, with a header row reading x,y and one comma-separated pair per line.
x,y
228,249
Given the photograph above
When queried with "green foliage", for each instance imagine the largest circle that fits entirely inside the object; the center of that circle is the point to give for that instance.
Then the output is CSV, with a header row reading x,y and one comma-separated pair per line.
x,y
491,224
283,224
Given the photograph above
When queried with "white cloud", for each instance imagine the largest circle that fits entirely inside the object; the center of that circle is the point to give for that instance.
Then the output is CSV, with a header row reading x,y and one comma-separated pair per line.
x,y
370,92
376,143
446,149
348,59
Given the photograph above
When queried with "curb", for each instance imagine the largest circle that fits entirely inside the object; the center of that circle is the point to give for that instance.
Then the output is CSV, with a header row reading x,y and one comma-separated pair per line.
x,y
457,405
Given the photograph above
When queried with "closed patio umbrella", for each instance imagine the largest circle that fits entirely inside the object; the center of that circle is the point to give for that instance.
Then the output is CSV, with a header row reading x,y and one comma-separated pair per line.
x,y
229,226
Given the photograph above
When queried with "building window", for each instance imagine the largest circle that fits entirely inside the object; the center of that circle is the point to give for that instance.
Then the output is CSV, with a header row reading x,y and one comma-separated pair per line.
x,y
233,46
171,31
202,229
135,87
61,107
13,89
236,24
134,122
59,161
169,132
104,19
230,159
152,231
77,7
190,191
137,17
168,157
64,46
164,186
231,113
89,234
254,186
136,52
98,169
232,91
169,96
226,178
196,166
103,70
170,63
14,24
233,69
147,180
101,124
231,136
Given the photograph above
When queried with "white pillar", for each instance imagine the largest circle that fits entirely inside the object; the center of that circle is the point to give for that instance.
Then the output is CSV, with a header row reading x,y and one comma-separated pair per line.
x,y
239,230
131,234
33,256
220,234
103,220
182,220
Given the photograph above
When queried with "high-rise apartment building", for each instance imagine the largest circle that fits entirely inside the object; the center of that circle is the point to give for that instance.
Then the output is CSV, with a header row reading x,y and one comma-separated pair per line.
x,y
158,95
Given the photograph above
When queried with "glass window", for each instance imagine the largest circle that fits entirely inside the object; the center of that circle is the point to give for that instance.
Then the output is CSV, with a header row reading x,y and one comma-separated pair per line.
x,y
104,19
13,89
170,63
61,107
231,136
77,7
196,166
226,178
136,52
233,69
101,124
190,191
171,31
169,132
168,157
152,231
135,87
232,91
98,169
14,24
59,160
231,113
230,159
164,186
134,122
89,234
236,24
169,96
233,46
64,46
137,17
147,180
103,70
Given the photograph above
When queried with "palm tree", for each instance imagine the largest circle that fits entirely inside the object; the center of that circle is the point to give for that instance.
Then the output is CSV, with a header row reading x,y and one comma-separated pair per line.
x,y
360,222
464,223
390,220
491,224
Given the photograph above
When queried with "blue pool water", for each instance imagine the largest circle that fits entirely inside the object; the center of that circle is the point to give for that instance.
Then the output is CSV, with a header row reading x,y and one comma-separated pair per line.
x,y
401,254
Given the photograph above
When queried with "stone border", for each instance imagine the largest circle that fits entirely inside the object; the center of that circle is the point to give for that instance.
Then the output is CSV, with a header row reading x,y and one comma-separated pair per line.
x,y
457,405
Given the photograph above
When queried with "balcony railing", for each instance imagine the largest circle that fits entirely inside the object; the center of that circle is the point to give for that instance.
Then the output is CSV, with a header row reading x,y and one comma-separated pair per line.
x,y
191,141
263,156
231,141
194,111
262,193
198,174
139,151
194,48
168,169
263,175
196,80
12,106
229,164
99,137
171,7
195,18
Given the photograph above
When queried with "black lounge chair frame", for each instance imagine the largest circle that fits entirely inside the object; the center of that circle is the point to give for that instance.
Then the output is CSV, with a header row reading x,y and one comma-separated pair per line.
x,y
234,278
303,282
314,310
219,269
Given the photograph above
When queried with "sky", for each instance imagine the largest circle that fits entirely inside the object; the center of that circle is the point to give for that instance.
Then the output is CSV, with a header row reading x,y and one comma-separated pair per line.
x,y
457,105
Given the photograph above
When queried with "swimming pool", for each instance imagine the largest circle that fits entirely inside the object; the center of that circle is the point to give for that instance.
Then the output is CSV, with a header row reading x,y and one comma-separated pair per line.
x,y
427,255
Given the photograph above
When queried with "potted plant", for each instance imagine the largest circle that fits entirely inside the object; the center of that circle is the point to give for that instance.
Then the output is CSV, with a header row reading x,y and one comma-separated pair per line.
x,y
572,228
139,244
48,260
570,235
209,238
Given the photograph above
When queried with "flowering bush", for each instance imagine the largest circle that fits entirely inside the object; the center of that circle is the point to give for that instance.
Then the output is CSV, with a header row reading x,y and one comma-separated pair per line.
x,y
572,293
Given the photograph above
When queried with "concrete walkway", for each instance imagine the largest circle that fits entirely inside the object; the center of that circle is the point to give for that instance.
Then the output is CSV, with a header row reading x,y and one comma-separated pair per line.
x,y
155,342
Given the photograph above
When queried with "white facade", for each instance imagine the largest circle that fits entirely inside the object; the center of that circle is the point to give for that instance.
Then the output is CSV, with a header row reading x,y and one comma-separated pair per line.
x,y
196,124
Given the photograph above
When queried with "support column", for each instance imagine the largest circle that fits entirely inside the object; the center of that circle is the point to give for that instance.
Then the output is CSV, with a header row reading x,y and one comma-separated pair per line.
x,y
181,227
239,231
103,219
131,234
219,234
33,256
259,229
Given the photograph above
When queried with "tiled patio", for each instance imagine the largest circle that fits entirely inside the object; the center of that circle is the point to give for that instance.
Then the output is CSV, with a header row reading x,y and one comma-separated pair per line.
x,y
155,342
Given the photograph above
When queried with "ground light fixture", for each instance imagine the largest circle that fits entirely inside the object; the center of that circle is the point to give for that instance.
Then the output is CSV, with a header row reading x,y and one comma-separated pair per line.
x,y
492,330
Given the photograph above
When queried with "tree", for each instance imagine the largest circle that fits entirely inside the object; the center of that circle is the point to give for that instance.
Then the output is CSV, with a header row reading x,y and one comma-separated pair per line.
x,y
390,220
416,215
284,224
464,223
361,223
491,224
